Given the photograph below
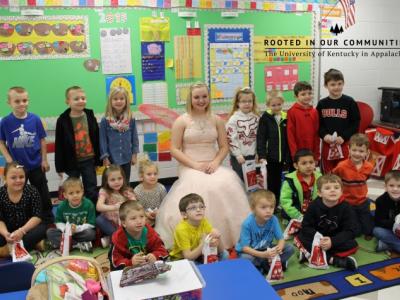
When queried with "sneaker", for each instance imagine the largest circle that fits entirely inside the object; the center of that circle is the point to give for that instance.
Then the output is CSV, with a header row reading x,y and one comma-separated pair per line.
x,y
348,263
302,258
394,254
105,241
84,246
368,237
381,246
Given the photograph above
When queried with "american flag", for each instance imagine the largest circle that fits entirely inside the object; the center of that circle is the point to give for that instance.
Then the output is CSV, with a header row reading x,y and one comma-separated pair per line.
x,y
349,9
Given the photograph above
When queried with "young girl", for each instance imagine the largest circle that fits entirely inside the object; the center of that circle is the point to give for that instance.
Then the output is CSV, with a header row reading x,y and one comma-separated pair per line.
x,y
119,142
272,143
242,129
20,211
150,192
114,191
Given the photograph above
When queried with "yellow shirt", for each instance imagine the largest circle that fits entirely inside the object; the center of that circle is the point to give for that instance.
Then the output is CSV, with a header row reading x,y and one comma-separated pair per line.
x,y
188,237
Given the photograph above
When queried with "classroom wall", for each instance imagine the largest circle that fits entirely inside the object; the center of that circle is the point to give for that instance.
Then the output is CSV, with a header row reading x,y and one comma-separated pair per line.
x,y
363,75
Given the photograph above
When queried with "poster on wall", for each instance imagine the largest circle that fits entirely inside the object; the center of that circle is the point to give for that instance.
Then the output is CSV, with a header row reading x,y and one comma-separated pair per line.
x,y
154,29
281,78
115,46
44,37
125,81
187,51
153,61
228,53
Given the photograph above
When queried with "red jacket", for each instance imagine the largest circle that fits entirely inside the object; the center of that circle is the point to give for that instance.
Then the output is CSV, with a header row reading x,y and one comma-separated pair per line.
x,y
355,187
121,257
302,129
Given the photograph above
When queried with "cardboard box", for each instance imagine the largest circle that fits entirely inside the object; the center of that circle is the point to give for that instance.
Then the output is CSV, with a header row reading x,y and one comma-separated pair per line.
x,y
183,280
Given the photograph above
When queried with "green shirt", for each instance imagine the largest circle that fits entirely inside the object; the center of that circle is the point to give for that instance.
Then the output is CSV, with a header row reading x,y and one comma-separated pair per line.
x,y
136,246
84,213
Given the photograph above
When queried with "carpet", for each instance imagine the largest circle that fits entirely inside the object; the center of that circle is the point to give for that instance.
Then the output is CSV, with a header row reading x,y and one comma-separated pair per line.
x,y
342,284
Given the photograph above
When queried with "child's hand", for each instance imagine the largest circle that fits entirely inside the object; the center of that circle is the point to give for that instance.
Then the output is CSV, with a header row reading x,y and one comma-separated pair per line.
x,y
241,159
262,161
214,242
214,233
150,258
45,166
138,259
73,228
278,249
325,243
328,139
129,194
150,214
134,159
106,162
339,140
270,252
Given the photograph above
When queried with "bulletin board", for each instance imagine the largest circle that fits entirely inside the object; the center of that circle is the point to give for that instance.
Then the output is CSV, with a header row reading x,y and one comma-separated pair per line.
x,y
46,79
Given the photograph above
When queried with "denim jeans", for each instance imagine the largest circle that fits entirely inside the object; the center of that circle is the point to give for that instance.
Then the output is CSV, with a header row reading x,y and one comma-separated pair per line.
x,y
388,237
87,170
262,263
105,225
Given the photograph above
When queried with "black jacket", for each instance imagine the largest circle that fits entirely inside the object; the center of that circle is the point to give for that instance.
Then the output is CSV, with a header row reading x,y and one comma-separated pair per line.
x,y
386,211
337,222
65,155
272,142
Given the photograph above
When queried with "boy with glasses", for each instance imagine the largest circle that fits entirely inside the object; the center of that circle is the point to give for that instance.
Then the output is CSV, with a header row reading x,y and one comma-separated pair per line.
x,y
190,233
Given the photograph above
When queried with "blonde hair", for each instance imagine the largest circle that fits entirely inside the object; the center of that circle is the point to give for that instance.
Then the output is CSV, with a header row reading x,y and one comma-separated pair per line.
x,y
145,162
197,85
258,195
236,99
359,139
328,178
15,89
71,182
110,113
127,207
274,94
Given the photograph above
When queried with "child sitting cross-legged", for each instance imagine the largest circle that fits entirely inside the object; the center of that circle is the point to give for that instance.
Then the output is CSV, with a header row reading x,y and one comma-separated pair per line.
x,y
134,243
334,219
258,232
79,212
299,187
191,232
387,215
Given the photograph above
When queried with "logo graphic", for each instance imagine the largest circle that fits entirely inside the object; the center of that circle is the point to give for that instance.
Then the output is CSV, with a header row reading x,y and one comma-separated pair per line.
x,y
336,30
25,139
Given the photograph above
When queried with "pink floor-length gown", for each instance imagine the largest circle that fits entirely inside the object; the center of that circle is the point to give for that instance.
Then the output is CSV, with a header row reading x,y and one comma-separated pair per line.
x,y
225,199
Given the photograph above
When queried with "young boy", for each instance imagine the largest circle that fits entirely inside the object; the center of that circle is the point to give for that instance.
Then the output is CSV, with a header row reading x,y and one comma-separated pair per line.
x,y
77,142
135,242
334,219
272,146
354,173
79,212
22,139
337,113
189,234
299,187
303,121
258,232
387,208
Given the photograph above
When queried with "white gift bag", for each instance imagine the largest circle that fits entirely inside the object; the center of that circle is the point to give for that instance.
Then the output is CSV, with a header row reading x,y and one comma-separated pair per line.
x,y
275,269
318,256
254,175
292,228
19,253
396,226
210,254
66,240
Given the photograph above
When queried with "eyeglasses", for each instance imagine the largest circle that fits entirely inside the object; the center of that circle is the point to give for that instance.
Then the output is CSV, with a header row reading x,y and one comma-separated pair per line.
x,y
197,207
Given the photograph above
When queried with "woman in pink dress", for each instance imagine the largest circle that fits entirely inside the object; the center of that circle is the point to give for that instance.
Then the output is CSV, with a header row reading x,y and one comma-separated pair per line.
x,y
200,145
